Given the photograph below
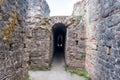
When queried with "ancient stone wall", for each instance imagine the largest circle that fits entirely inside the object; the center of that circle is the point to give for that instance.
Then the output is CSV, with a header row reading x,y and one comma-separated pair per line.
x,y
94,30
75,46
42,47
37,9
79,10
12,55
101,21
103,43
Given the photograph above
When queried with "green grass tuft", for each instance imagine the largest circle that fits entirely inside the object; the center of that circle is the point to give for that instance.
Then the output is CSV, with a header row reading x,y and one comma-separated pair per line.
x,y
79,17
81,73
28,78
83,56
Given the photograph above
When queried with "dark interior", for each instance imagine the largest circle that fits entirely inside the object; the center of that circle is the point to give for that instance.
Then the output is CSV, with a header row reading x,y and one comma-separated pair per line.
x,y
59,38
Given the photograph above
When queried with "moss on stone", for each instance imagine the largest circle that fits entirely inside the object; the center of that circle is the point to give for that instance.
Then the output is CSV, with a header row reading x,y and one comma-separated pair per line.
x,y
83,56
7,33
80,17
1,1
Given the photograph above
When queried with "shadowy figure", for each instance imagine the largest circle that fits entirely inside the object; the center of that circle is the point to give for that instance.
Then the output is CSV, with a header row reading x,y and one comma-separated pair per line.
x,y
60,41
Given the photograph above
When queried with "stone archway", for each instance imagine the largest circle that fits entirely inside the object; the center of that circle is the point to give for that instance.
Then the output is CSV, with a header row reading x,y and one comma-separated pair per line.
x,y
59,41
41,46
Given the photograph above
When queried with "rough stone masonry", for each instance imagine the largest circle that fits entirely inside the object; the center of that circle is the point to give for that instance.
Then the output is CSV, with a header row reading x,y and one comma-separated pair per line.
x,y
13,21
102,24
25,36
12,55
41,46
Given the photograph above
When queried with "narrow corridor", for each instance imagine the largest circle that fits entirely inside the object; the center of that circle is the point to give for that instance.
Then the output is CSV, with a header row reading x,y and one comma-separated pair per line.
x,y
57,72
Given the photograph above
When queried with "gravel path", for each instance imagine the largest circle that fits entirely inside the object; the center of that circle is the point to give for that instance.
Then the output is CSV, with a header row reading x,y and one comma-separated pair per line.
x,y
56,73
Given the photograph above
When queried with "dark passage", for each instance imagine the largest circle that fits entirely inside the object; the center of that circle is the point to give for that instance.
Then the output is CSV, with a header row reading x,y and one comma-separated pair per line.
x,y
59,38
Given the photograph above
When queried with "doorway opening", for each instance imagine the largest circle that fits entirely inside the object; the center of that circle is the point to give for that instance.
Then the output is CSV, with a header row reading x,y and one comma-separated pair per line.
x,y
59,41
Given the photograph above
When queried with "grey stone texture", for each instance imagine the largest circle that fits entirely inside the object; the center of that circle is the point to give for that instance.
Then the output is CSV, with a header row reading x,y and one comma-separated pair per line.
x,y
41,46
26,37
12,55
102,45
101,19
37,9
14,15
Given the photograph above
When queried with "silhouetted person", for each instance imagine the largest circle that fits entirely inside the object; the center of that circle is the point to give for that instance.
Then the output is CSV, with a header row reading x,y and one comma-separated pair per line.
x,y
60,41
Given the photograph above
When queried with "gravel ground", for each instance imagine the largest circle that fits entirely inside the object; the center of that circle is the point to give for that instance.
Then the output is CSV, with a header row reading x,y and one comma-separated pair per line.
x,y
56,73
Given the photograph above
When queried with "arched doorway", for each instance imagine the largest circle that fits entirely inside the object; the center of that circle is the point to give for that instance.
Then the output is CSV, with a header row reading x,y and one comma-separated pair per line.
x,y
59,41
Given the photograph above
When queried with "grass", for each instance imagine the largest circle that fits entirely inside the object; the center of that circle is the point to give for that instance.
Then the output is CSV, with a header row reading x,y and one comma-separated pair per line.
x,y
81,73
83,56
28,78
79,17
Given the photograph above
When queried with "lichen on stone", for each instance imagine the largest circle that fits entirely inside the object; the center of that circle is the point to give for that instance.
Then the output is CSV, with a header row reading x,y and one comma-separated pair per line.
x,y
1,1
7,33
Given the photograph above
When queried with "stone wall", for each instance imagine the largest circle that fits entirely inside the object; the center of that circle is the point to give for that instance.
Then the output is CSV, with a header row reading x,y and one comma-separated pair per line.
x,y
42,47
79,11
41,51
37,9
12,55
103,43
94,30
16,21
79,8
75,46
101,19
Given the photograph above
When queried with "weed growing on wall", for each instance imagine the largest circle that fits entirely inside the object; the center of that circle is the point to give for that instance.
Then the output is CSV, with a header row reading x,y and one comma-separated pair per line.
x,y
80,17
